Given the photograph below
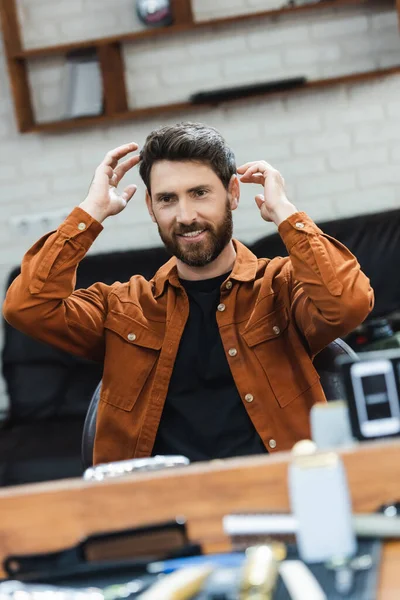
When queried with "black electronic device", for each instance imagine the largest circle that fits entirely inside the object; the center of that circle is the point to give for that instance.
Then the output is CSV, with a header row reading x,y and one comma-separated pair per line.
x,y
244,91
372,387
107,554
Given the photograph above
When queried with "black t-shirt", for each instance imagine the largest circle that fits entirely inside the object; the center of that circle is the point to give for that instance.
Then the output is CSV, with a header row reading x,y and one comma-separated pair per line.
x,y
204,417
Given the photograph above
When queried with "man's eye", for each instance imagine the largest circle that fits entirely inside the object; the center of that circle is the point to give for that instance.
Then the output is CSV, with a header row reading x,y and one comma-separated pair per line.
x,y
201,193
165,199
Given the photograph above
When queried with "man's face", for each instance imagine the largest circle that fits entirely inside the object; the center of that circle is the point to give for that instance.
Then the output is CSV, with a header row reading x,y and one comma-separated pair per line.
x,y
192,209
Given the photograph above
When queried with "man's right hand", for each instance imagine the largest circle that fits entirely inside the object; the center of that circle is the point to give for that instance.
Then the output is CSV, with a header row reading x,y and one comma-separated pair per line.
x,y
103,199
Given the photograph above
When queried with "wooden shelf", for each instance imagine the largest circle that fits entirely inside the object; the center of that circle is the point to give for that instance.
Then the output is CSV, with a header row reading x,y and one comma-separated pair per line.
x,y
152,111
109,53
184,27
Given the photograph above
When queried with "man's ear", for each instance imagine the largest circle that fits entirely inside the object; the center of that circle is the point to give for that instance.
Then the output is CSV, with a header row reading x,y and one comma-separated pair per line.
x,y
150,207
234,192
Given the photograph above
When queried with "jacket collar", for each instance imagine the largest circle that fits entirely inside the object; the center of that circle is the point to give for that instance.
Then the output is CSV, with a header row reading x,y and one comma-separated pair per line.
x,y
244,269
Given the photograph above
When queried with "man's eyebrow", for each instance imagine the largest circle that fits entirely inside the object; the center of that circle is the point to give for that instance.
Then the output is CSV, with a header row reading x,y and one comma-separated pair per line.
x,y
160,195
196,188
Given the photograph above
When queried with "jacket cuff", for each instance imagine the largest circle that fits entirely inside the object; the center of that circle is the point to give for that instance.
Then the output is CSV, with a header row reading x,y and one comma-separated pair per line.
x,y
295,227
81,226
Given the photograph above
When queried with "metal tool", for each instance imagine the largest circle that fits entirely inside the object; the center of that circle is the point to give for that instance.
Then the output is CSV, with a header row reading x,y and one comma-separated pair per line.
x,y
260,571
345,570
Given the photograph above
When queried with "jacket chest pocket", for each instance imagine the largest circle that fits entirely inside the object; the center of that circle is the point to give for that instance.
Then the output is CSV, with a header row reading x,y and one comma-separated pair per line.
x,y
281,354
132,350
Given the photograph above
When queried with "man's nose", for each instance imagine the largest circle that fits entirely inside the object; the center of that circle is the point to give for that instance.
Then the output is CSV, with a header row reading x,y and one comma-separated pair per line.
x,y
186,213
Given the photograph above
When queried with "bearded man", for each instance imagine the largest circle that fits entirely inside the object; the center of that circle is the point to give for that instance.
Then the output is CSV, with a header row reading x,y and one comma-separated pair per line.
x,y
213,357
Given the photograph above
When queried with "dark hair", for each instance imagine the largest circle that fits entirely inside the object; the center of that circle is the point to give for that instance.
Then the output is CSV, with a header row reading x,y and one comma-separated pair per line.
x,y
188,141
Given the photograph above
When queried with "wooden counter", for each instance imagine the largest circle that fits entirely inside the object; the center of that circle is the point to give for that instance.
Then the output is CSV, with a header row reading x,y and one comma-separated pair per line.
x,y
54,515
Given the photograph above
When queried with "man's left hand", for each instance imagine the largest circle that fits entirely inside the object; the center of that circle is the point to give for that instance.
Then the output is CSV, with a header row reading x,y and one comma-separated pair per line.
x,y
273,204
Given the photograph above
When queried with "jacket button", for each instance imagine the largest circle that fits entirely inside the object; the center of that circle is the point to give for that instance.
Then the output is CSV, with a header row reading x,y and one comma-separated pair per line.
x,y
229,285
232,351
272,443
221,307
300,225
131,337
249,397
82,226
276,330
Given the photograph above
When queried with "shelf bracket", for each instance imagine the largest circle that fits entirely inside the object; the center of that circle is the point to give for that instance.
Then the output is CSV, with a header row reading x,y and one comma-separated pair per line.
x,y
113,74
182,12
17,68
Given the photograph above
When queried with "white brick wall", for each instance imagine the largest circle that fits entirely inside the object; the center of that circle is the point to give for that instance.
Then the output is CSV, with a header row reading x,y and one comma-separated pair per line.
x,y
338,148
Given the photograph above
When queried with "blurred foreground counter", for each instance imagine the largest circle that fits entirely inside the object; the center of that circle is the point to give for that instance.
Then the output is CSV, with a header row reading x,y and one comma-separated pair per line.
x,y
54,515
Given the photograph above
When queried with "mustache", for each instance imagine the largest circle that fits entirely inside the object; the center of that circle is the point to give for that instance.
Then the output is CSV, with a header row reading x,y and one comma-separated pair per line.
x,y
189,228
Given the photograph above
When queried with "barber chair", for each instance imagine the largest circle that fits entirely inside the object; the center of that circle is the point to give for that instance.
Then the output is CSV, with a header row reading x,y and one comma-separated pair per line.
x,y
324,363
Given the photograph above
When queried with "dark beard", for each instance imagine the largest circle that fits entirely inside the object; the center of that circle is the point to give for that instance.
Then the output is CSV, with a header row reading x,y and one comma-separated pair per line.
x,y
204,252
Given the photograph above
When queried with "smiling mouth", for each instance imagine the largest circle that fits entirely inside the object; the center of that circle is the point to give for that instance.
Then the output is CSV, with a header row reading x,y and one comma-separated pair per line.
x,y
192,235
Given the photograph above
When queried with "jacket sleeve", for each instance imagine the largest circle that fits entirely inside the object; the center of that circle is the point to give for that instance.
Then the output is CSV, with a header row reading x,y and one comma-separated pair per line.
x,y
41,301
329,294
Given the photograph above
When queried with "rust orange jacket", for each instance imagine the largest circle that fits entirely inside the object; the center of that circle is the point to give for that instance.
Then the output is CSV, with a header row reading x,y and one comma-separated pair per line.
x,y
274,316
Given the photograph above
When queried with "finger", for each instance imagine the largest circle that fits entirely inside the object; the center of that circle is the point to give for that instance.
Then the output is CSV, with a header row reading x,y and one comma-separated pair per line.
x,y
108,171
255,178
125,166
129,192
259,200
113,156
103,173
246,166
256,168
243,168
